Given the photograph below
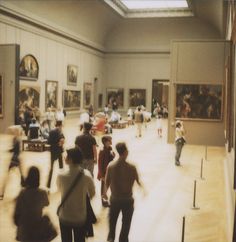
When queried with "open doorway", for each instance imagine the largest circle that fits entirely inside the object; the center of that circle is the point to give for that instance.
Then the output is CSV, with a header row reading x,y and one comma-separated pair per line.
x,y
160,93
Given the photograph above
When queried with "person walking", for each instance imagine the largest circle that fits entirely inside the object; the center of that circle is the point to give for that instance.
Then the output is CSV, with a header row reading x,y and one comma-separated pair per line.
x,y
138,118
179,140
74,185
56,140
106,155
120,178
88,145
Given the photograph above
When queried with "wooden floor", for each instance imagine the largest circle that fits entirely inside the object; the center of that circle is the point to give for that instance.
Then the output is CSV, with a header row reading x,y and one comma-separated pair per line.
x,y
169,189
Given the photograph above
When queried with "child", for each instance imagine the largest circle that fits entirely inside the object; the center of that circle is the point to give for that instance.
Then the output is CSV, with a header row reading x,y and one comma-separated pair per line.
x,y
159,126
104,158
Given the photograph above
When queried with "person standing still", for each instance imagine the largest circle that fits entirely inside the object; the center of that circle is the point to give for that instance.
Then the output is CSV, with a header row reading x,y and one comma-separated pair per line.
x,y
138,118
179,140
88,145
120,177
56,140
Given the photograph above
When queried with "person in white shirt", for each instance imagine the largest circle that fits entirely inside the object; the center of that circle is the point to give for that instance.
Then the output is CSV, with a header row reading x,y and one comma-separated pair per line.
x,y
84,118
59,115
159,126
73,213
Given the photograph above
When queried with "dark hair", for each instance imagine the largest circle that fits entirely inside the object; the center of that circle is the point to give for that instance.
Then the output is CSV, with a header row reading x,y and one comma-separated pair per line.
x,y
75,155
106,138
178,125
58,123
32,180
139,108
87,126
121,148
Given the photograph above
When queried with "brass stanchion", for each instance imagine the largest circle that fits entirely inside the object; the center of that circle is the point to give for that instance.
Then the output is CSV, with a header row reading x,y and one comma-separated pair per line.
x,y
194,196
183,229
201,170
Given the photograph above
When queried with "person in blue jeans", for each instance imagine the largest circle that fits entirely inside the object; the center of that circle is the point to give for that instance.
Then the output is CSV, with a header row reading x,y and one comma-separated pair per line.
x,y
120,178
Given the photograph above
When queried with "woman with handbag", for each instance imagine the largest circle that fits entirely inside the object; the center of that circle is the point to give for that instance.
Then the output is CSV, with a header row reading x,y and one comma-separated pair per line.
x,y
179,140
75,186
31,224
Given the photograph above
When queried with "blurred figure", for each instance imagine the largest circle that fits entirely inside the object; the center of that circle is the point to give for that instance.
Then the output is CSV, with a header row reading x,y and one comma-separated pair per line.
x,y
28,214
84,118
120,177
179,140
130,115
34,129
45,130
15,161
56,139
75,186
138,118
106,155
59,115
91,111
50,118
159,126
88,145
106,110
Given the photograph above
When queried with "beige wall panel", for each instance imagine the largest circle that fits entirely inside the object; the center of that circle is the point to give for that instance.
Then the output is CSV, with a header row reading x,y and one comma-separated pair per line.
x,y
3,33
200,62
10,35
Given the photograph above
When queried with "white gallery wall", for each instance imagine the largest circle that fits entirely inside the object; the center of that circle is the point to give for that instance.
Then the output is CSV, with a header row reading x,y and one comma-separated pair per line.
x,y
53,56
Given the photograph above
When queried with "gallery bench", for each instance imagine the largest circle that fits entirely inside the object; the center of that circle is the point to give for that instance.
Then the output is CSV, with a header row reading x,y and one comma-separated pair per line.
x,y
35,145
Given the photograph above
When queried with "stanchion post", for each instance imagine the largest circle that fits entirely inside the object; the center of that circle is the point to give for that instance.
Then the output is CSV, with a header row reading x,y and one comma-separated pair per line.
x,y
201,170
206,153
194,196
183,229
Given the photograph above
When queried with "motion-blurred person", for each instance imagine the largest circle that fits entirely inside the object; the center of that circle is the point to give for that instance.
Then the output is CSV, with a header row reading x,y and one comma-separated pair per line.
x,y
34,129
120,177
59,115
56,140
106,155
50,118
84,118
15,160
179,140
88,145
159,126
31,224
138,118
45,130
75,185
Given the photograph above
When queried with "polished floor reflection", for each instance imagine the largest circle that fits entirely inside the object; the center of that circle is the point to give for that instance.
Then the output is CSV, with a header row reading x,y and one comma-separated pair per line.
x,y
169,189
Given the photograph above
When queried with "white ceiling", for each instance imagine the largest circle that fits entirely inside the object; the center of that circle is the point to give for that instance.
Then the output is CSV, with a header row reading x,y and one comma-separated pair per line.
x,y
95,21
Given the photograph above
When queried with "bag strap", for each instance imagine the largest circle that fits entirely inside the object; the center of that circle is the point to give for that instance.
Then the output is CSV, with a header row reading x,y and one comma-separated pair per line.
x,y
70,190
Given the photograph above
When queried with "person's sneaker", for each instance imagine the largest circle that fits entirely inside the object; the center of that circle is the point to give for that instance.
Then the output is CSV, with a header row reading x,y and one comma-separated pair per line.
x,y
177,163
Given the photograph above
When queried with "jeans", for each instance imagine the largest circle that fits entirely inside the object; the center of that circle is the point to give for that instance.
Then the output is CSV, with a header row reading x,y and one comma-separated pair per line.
x,y
51,168
179,146
67,230
126,206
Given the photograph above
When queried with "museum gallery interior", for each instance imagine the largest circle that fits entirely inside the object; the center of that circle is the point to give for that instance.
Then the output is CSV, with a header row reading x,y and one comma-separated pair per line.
x,y
78,54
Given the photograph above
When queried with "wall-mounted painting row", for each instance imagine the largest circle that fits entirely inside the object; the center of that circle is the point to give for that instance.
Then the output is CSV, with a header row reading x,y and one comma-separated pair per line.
x,y
115,95
51,92
1,96
29,68
87,94
199,102
71,99
137,97
72,75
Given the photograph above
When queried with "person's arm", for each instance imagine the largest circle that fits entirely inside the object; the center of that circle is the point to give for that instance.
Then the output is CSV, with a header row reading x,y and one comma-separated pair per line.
x,y
107,182
95,153
91,187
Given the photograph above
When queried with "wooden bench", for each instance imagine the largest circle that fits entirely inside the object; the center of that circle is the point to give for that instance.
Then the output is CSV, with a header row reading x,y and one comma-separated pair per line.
x,y
119,125
39,145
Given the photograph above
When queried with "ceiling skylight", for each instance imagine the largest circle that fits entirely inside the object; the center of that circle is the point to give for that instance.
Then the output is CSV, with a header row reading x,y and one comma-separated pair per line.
x,y
154,4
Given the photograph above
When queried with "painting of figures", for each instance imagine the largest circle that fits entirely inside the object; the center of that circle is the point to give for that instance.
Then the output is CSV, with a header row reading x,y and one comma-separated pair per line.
x,y
199,101
29,68
87,94
72,74
1,96
71,100
137,97
51,95
29,97
115,95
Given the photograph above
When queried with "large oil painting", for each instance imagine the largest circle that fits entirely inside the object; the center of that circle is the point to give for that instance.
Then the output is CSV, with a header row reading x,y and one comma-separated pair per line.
x,y
115,95
72,75
87,94
29,96
51,91
1,96
29,68
196,101
137,97
71,99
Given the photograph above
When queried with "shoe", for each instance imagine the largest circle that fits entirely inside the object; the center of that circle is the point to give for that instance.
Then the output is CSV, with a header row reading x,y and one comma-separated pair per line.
x,y
177,163
1,197
105,203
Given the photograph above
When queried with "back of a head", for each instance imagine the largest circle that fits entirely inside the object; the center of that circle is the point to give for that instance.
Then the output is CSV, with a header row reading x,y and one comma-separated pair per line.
x,y
58,123
87,126
121,147
32,180
75,155
139,108
105,139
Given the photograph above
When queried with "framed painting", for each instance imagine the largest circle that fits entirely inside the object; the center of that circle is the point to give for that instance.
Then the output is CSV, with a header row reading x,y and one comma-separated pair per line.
x,y
71,99
115,95
1,96
29,68
72,75
87,94
199,102
29,97
51,91
137,97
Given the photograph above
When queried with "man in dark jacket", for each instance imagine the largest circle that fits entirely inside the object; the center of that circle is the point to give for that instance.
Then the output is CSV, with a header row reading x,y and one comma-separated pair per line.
x,y
56,140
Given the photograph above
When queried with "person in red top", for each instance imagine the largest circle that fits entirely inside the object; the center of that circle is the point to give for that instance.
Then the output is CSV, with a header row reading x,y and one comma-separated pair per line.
x,y
104,158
